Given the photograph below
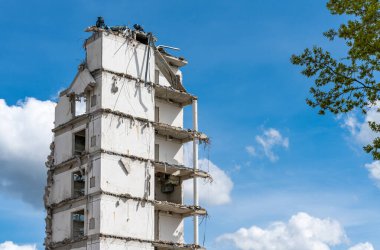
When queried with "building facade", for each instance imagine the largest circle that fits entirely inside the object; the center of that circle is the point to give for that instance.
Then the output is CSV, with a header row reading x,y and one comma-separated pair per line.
x,y
116,167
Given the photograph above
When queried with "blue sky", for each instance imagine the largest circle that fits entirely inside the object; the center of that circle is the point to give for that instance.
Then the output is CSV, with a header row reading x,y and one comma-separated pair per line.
x,y
238,53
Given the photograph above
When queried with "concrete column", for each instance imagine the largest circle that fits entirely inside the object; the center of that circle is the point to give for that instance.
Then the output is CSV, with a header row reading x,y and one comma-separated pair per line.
x,y
195,166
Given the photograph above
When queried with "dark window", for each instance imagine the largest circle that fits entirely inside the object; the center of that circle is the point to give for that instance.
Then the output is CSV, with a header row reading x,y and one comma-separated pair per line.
x,y
79,142
78,184
78,223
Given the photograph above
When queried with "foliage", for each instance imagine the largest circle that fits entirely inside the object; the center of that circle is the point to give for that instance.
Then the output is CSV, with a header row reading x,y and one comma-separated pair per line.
x,y
346,84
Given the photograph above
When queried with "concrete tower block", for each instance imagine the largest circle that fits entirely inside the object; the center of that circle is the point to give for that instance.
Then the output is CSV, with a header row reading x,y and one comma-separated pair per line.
x,y
116,168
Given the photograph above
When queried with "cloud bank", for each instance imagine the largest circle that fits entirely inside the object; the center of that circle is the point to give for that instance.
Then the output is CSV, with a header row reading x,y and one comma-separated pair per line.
x,y
9,245
302,231
362,246
25,135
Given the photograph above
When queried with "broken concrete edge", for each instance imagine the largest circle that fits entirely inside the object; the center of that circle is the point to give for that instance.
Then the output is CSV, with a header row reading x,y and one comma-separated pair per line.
x,y
125,32
194,209
65,242
171,59
140,80
196,173
82,67
192,133
164,57
165,127
98,236
166,70
49,180
122,31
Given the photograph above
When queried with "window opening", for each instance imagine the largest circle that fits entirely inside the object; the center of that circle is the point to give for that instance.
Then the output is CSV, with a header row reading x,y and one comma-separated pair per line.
x,y
80,142
78,105
78,223
78,184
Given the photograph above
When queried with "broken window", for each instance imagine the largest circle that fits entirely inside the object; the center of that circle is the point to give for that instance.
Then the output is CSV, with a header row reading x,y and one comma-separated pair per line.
x,y
168,182
79,142
142,38
78,105
156,152
78,184
156,114
77,223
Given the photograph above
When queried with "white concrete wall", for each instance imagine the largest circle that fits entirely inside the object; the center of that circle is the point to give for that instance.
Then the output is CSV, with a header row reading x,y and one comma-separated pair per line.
x,y
93,244
94,129
121,135
61,223
64,145
62,111
169,113
64,140
130,98
97,91
162,79
171,227
116,244
121,55
93,212
94,53
94,170
170,151
123,217
116,180
62,186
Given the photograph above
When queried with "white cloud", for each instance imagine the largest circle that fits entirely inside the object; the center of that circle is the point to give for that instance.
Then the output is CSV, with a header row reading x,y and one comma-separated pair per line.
x,y
363,135
25,135
302,231
250,150
359,129
270,139
374,171
9,245
362,246
217,192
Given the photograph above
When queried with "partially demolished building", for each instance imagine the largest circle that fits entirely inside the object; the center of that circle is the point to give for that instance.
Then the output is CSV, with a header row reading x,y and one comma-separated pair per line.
x,y
116,167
